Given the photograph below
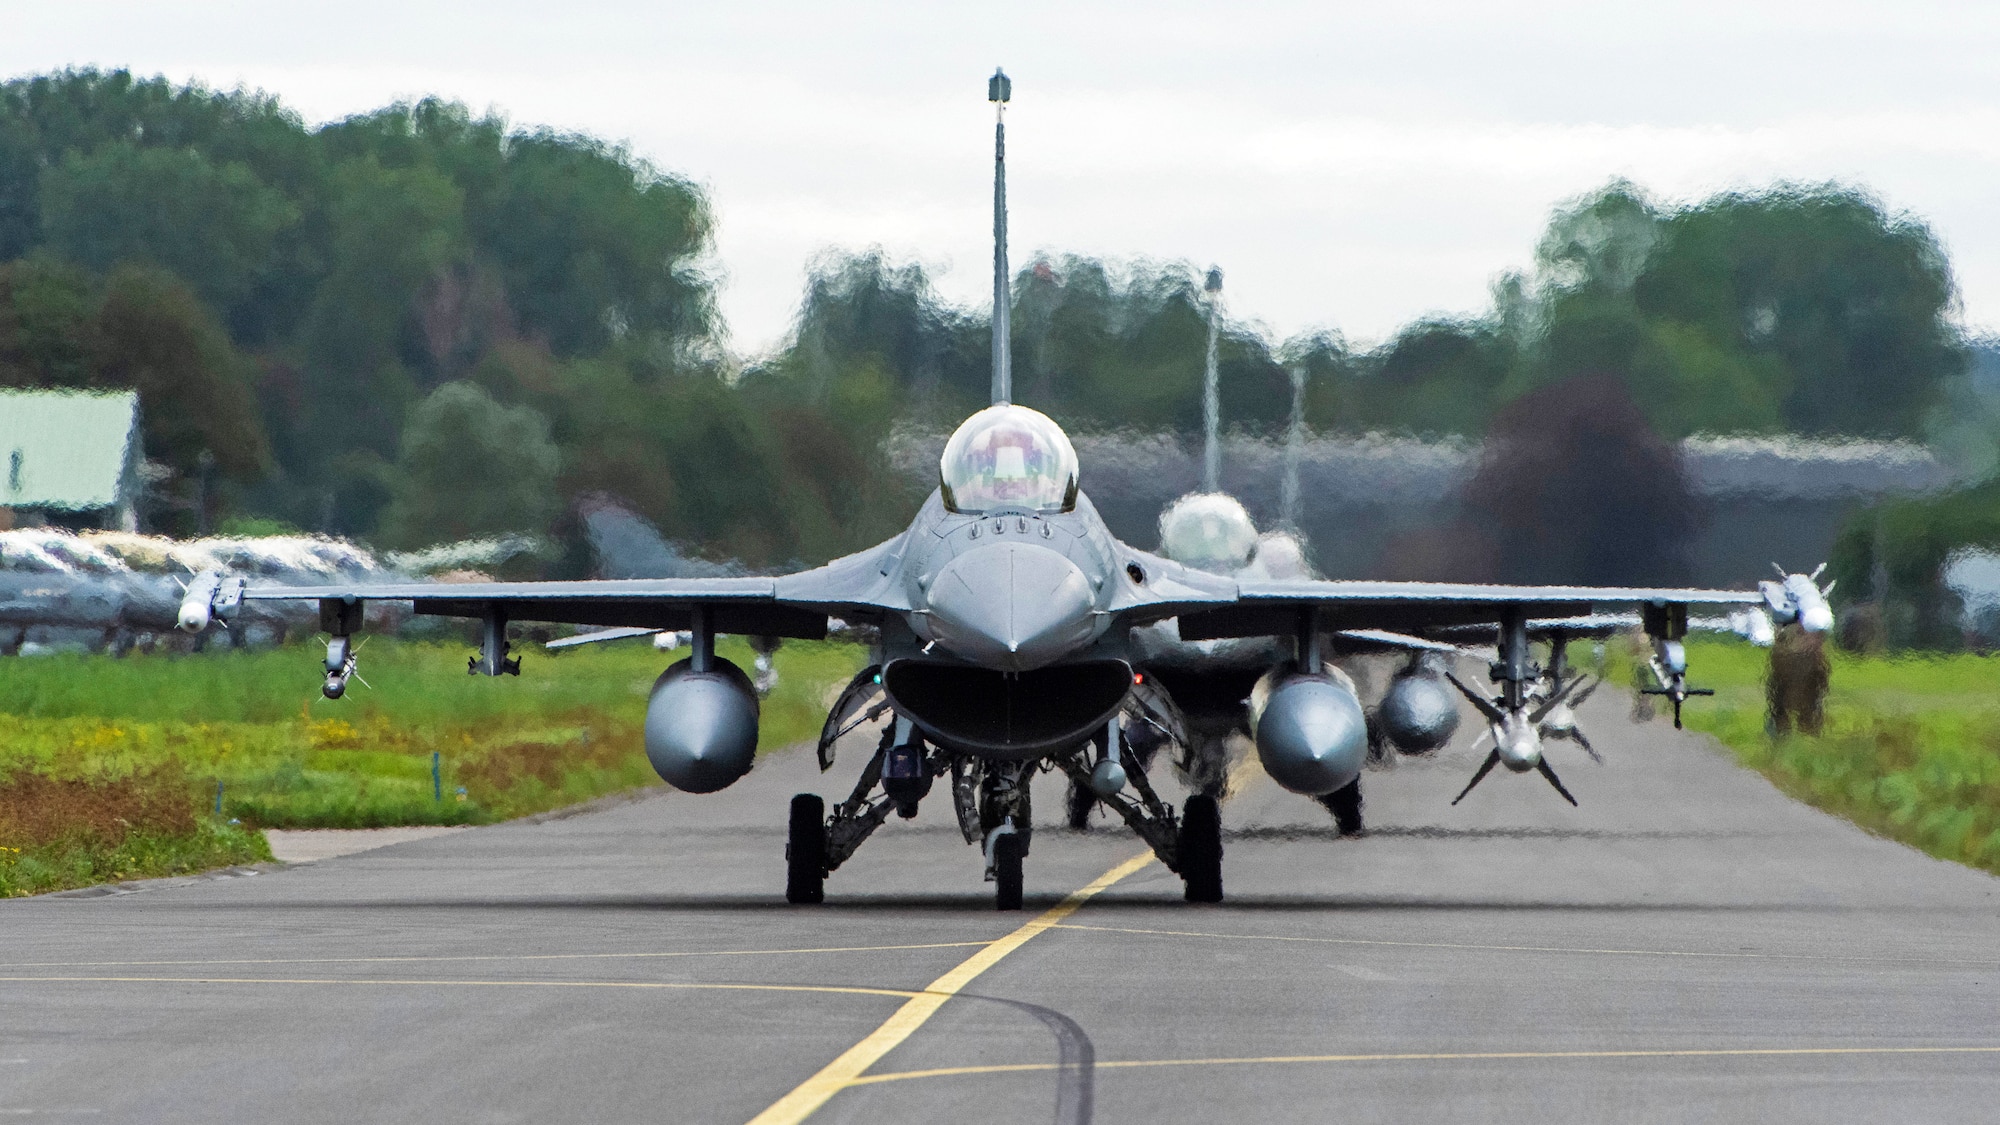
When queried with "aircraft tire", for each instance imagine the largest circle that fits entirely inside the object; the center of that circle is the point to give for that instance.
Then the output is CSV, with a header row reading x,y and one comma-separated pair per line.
x,y
805,851
1201,849
1007,872
1345,805
1082,802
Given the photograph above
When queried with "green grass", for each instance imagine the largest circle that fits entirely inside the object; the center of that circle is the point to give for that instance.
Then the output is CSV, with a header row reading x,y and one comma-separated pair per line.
x,y
1910,748
568,729
63,864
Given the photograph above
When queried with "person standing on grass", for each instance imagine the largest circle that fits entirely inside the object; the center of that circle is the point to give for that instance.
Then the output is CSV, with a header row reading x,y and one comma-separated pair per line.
x,y
1796,686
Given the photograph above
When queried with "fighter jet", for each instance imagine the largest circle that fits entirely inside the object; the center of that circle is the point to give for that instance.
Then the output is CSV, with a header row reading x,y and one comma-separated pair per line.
x,y
1005,619
54,586
109,591
1212,683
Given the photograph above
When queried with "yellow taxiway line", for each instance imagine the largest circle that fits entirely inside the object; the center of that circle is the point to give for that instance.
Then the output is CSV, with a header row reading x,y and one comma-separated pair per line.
x,y
852,1063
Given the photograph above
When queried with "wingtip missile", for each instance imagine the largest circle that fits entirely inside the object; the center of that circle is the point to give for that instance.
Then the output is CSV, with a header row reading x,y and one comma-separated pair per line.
x,y
212,597
1799,599
198,603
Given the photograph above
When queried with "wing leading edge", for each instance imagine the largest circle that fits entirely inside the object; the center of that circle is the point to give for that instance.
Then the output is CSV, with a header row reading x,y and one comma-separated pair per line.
x,y
857,587
1265,607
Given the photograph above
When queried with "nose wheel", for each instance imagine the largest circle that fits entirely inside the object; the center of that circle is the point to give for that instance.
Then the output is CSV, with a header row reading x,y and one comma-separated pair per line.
x,y
805,851
1007,871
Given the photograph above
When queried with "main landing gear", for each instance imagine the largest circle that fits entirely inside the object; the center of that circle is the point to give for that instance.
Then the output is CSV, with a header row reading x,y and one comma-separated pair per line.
x,y
992,802
1345,805
1143,740
1200,851
1189,844
816,844
805,851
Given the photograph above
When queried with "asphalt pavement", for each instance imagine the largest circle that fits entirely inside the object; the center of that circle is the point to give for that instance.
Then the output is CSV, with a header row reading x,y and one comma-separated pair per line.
x,y
1689,945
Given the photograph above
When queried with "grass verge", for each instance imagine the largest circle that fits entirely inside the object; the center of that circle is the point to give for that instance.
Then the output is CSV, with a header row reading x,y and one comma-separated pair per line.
x,y
1910,749
61,833
243,737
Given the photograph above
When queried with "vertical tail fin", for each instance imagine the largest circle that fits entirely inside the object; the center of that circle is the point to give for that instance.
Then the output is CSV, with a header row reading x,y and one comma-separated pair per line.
x,y
998,90
1211,392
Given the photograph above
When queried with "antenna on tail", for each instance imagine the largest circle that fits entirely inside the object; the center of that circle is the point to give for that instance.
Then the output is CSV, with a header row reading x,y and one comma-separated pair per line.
x,y
998,89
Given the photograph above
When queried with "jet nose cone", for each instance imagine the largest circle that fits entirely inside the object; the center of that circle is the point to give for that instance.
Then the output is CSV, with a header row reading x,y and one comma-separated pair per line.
x,y
1013,606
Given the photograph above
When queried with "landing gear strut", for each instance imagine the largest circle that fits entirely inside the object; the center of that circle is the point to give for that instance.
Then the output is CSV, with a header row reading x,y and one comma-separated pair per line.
x,y
818,844
1141,740
1189,844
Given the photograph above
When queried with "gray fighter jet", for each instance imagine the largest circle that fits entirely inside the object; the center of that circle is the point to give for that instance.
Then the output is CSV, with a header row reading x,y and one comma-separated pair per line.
x,y
1211,684
1006,615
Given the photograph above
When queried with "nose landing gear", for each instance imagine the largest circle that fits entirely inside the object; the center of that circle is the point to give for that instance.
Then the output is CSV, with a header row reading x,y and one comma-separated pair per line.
x,y
1007,818
1003,867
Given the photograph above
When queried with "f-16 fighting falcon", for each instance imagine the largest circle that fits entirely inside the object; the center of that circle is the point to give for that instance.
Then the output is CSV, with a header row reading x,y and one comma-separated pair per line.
x,y
1012,635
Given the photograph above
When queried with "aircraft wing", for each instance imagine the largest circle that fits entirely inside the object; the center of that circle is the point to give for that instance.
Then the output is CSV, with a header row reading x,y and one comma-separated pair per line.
x,y
1750,623
857,587
1265,607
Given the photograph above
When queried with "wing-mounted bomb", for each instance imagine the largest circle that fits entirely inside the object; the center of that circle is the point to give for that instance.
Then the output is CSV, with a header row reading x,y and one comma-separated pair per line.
x,y
1569,692
1418,712
1667,625
340,619
340,666
1515,716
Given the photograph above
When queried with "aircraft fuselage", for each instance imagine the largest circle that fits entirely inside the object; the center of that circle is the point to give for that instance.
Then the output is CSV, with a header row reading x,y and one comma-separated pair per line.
x,y
1007,654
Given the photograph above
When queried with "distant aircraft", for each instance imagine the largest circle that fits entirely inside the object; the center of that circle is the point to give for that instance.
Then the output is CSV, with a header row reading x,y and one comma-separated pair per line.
x,y
1210,685
1009,624
110,591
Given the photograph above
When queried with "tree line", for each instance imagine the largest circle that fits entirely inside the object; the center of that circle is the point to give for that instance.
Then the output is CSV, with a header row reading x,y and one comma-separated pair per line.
x,y
421,323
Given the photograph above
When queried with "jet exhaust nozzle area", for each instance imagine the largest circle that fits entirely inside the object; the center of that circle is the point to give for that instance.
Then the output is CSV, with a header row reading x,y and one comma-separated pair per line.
x,y
1015,606
1419,713
1311,735
701,727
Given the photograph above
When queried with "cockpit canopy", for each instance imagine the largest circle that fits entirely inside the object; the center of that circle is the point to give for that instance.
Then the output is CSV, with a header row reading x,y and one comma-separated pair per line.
x,y
1008,458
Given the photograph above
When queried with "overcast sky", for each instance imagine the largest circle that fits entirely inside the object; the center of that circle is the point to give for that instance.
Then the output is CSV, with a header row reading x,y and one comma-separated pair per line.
x,y
1350,166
